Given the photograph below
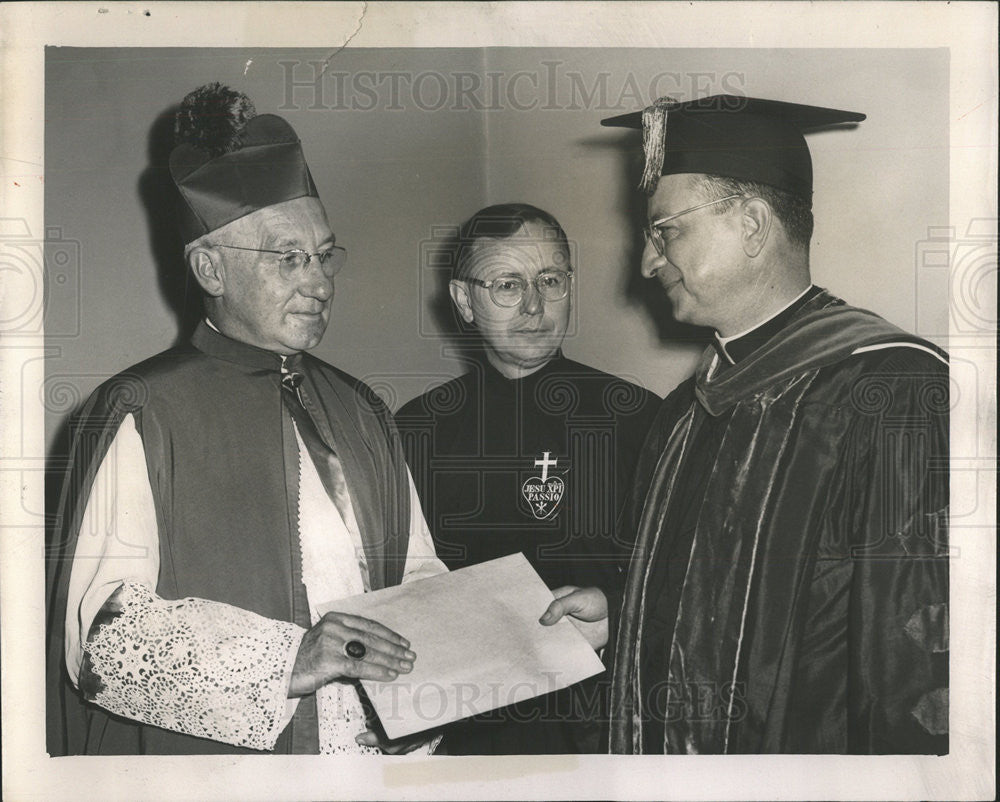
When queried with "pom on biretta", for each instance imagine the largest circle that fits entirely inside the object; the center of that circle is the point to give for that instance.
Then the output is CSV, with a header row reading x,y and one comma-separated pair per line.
x,y
744,138
229,162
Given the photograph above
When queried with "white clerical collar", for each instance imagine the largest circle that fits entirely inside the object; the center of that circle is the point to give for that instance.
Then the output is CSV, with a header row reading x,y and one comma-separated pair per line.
x,y
722,341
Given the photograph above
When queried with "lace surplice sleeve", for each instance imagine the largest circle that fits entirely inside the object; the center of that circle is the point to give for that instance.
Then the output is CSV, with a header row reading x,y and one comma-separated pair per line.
x,y
194,666
191,665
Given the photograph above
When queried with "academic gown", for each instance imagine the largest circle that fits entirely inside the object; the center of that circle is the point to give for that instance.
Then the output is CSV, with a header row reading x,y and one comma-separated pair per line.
x,y
789,586
537,465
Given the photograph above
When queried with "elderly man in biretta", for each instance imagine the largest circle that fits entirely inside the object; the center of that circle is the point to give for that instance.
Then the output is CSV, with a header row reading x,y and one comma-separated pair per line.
x,y
223,492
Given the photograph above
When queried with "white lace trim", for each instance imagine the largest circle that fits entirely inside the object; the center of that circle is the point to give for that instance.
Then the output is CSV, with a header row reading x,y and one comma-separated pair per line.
x,y
341,720
195,666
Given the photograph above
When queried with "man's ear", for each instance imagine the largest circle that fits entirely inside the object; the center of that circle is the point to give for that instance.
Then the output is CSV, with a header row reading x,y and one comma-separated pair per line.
x,y
757,219
460,297
206,265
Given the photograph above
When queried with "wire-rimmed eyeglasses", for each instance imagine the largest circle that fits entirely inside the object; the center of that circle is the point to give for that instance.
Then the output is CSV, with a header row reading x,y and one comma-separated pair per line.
x,y
292,262
655,235
508,290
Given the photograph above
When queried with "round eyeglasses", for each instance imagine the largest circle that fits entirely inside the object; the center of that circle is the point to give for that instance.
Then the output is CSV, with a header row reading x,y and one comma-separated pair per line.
x,y
292,263
654,233
508,291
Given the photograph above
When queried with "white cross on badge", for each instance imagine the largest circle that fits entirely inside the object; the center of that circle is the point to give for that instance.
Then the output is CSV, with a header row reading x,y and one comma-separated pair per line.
x,y
543,493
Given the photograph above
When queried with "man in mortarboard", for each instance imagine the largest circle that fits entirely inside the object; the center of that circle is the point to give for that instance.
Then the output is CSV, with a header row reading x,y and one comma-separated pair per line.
x,y
223,492
788,591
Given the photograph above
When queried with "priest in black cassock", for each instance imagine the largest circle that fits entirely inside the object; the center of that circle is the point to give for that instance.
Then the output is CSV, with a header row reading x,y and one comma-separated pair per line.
x,y
223,494
528,451
789,587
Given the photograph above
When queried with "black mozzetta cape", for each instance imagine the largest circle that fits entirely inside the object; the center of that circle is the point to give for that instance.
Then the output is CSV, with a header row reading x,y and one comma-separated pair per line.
x,y
222,463
472,444
789,587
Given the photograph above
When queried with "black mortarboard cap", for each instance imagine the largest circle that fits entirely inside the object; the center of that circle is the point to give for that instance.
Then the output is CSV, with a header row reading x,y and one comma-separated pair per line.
x,y
737,137
260,164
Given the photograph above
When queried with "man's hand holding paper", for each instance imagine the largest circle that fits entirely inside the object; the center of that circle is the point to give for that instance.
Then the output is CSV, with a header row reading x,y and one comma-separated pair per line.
x,y
587,608
322,655
480,643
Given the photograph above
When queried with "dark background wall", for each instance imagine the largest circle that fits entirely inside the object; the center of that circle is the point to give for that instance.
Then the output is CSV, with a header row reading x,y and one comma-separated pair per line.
x,y
405,143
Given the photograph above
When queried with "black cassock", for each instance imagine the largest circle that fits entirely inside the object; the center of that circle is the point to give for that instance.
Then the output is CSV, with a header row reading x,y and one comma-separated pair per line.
x,y
537,465
789,587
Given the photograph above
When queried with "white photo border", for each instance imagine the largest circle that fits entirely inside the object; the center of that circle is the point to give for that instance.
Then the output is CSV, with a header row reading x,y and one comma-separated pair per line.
x,y
968,30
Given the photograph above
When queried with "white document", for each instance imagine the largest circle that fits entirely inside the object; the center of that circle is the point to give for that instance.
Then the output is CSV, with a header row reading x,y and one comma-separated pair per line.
x,y
478,642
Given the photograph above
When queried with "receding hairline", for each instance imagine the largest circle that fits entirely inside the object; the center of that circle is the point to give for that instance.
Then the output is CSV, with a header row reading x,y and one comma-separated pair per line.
x,y
491,223
470,263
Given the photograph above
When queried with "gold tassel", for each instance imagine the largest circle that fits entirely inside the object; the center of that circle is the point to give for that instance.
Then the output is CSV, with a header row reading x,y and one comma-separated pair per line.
x,y
654,128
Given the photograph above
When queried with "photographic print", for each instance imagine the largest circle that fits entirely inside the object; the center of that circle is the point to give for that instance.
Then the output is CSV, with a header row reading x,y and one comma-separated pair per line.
x,y
314,301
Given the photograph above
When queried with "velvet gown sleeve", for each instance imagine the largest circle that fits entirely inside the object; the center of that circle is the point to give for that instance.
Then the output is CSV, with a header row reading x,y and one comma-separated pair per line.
x,y
898,604
669,412
873,658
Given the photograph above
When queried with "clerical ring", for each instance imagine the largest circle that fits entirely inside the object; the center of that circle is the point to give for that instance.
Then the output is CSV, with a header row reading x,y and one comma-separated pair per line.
x,y
355,649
